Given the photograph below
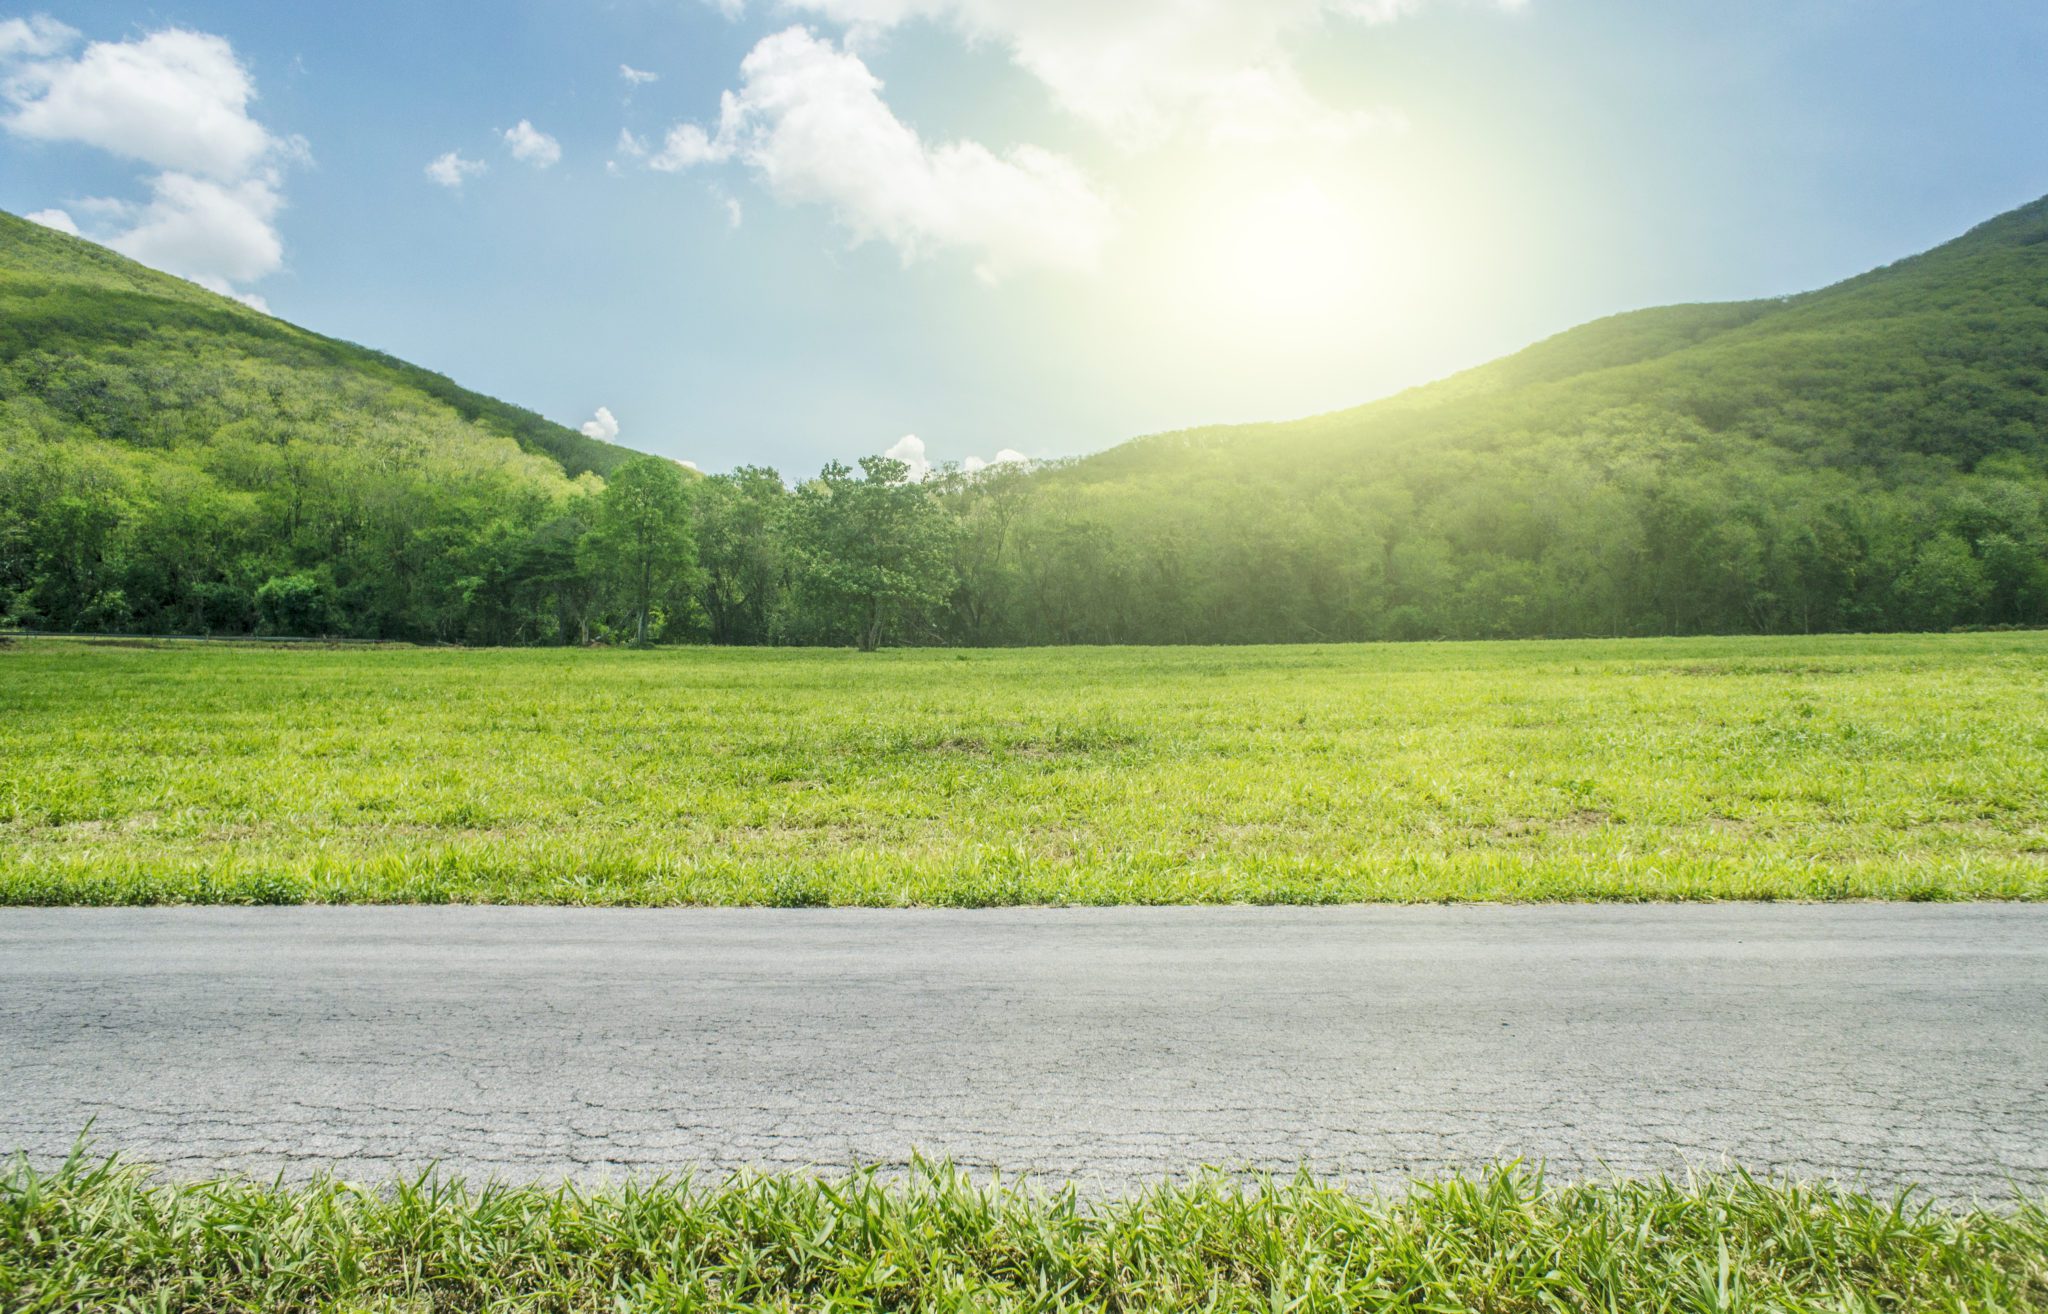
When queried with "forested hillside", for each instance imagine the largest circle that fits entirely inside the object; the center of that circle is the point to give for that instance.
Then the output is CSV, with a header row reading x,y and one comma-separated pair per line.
x,y
173,460
1869,456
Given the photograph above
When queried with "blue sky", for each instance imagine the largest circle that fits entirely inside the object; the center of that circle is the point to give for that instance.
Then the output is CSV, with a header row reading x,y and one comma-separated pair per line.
x,y
1031,225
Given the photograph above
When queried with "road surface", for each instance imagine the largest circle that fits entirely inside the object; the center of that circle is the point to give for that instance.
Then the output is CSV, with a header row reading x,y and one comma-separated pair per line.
x,y
1878,1045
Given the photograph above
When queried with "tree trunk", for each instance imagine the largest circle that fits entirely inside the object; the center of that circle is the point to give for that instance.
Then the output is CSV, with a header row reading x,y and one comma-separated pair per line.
x,y
871,631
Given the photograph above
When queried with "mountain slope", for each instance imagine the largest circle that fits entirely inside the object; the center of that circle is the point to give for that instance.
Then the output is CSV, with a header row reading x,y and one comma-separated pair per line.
x,y
172,460
1870,455
1944,355
62,296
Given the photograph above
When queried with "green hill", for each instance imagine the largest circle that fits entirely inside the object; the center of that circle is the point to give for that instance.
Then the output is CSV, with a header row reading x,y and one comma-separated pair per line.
x,y
1871,455
1940,355
166,453
62,296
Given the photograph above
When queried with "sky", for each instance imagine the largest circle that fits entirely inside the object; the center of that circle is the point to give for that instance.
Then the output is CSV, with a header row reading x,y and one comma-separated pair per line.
x,y
781,232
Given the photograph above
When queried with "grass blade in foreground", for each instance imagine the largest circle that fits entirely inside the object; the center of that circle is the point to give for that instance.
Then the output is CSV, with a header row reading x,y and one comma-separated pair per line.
x,y
101,1235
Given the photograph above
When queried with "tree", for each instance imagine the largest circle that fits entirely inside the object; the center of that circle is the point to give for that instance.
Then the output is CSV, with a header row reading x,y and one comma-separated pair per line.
x,y
874,551
1945,586
295,604
739,541
642,541
985,505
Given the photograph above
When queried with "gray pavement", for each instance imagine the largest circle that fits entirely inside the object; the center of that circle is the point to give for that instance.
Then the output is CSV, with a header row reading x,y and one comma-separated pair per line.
x,y
1879,1045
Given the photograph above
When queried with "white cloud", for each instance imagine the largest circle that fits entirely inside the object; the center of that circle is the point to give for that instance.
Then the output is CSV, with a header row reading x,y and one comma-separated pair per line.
x,y
809,120
451,170
530,145
34,37
1007,456
629,145
735,215
688,144
909,449
603,426
175,100
216,234
1386,11
637,77
60,220
1141,70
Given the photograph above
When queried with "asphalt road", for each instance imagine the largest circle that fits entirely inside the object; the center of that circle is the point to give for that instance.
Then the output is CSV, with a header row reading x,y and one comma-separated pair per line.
x,y
1875,1044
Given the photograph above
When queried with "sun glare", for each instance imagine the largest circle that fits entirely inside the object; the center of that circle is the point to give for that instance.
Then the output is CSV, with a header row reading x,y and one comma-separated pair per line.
x,y
1284,263
1289,254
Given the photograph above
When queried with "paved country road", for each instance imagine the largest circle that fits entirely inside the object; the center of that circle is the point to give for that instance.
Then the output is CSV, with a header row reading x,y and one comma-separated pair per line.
x,y
1878,1044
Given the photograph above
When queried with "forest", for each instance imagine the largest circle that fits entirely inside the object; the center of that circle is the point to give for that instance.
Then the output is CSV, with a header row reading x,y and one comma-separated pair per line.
x,y
1872,456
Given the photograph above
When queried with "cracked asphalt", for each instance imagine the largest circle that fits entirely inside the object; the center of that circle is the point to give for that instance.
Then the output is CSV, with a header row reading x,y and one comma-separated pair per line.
x,y
1878,1045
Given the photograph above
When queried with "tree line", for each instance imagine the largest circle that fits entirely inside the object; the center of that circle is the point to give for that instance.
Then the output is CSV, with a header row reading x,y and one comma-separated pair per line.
x,y
1648,535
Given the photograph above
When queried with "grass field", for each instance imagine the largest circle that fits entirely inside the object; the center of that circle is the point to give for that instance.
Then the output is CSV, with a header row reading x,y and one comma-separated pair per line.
x,y
1823,768
96,1235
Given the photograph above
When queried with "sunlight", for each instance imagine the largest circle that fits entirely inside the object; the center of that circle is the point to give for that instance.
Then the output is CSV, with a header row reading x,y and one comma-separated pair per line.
x,y
1283,260
1288,255
1287,263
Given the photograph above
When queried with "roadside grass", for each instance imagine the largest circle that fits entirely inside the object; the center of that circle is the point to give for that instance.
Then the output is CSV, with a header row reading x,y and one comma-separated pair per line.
x,y
1839,767
96,1234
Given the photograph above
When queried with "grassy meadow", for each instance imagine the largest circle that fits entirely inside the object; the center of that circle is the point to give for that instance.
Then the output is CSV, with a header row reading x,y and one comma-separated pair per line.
x,y
98,1235
1911,767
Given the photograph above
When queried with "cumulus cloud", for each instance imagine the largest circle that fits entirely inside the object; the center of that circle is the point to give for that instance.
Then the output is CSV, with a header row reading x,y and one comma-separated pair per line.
x,y
177,101
1141,70
174,99
214,233
809,120
1386,11
909,449
34,37
529,145
735,215
603,426
451,170
688,144
1007,456
60,220
637,77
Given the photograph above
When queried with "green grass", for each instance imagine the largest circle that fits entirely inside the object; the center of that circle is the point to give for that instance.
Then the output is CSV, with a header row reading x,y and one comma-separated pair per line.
x,y
103,1236
97,1235
1818,768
